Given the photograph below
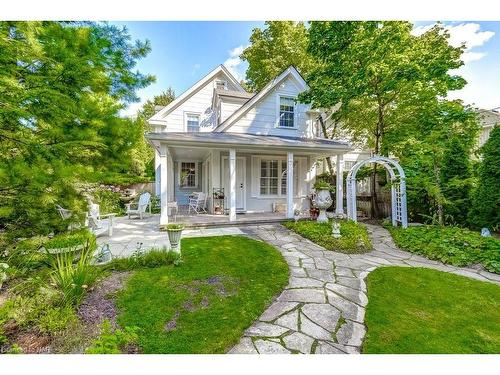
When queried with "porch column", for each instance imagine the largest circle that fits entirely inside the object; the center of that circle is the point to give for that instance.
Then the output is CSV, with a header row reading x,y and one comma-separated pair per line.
x,y
157,172
339,193
163,185
232,184
289,185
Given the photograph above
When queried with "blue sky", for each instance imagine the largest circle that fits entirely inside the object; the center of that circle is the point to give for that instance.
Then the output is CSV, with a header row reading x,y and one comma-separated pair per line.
x,y
183,52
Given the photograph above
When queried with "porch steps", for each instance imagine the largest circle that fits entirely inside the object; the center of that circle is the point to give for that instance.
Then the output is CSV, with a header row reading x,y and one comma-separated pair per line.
x,y
237,223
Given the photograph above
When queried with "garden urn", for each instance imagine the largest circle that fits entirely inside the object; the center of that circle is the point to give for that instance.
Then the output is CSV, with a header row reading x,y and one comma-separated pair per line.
x,y
174,232
323,200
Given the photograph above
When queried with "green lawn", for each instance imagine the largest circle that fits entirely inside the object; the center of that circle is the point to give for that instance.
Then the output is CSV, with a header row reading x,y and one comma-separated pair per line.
x,y
205,304
418,310
354,238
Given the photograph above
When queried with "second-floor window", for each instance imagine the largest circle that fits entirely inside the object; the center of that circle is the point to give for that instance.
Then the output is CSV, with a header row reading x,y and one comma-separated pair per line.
x,y
193,123
287,106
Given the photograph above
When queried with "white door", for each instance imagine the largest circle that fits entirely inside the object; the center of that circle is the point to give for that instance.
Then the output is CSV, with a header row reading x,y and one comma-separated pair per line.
x,y
240,183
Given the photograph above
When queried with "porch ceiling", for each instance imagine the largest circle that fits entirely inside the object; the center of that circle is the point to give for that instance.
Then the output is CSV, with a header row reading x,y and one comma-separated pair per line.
x,y
247,142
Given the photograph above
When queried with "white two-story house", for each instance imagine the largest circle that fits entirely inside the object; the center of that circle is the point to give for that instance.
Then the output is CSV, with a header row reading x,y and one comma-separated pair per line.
x,y
261,148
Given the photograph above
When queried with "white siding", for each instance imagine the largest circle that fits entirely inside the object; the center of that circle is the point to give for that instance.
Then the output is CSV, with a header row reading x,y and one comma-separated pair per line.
x,y
228,107
262,118
199,103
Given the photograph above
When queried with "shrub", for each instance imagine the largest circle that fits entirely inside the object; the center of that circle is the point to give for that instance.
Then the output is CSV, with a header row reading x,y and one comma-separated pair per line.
x,y
72,280
451,245
113,341
354,237
25,255
56,319
109,201
140,259
71,240
485,210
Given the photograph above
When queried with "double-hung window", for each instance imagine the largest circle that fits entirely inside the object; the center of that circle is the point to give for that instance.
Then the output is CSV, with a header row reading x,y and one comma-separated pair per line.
x,y
192,123
273,177
287,112
269,177
188,175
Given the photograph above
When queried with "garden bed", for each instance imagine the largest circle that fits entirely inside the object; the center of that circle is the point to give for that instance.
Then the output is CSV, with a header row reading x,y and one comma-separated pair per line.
x,y
419,310
451,245
202,305
354,236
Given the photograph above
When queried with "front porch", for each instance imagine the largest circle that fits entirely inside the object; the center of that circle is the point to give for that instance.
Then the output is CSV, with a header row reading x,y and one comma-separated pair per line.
x,y
254,174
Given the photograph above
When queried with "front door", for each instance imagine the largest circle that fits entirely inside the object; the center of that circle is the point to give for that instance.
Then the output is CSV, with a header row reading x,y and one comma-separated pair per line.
x,y
240,183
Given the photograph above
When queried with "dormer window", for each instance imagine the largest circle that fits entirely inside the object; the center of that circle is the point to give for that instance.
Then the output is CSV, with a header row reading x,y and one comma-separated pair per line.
x,y
221,85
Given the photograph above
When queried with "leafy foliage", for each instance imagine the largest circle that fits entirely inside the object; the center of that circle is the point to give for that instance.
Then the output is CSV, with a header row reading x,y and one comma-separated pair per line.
x,y
73,280
354,237
485,210
113,341
140,259
273,49
450,245
62,86
383,84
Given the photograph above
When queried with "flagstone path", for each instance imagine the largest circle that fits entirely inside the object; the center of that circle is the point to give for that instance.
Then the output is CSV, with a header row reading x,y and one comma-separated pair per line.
x,y
323,307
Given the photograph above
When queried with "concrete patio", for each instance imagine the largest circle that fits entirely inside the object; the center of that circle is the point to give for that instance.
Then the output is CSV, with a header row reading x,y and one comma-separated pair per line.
x,y
133,234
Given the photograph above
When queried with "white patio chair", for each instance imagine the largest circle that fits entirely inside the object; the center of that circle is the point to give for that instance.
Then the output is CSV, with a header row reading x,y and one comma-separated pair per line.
x,y
141,206
197,202
65,214
97,223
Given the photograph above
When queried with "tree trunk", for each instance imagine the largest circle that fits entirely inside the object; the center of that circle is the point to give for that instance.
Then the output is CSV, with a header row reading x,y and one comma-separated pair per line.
x,y
328,160
440,210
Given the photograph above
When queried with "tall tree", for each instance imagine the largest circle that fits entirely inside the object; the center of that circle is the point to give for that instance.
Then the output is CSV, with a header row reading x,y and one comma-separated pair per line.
x,y
374,66
273,49
62,86
143,152
485,210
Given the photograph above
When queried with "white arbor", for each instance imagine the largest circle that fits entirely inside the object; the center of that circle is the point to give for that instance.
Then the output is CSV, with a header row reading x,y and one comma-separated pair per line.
x,y
398,189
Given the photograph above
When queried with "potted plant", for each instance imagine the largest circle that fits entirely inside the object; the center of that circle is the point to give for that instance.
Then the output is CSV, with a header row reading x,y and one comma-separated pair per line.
x,y
323,199
174,232
296,215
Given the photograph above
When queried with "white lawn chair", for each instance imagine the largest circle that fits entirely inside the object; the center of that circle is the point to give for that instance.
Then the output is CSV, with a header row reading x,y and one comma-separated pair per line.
x,y
197,202
97,223
142,205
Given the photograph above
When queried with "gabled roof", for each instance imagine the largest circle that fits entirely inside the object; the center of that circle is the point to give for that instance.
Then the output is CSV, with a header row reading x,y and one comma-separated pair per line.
x,y
291,70
489,117
157,118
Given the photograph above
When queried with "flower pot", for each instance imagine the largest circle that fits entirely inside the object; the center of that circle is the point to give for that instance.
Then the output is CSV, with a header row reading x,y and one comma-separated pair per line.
x,y
323,201
174,237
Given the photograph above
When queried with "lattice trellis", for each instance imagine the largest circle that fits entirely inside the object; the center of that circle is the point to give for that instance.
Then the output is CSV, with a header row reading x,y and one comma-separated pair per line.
x,y
398,189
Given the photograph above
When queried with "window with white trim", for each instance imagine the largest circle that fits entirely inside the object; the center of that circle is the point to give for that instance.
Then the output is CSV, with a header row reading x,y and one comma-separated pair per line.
x,y
192,123
273,177
287,112
188,174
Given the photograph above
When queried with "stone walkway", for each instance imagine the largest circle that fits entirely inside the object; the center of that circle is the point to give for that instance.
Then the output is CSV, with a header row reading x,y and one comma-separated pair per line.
x,y
323,307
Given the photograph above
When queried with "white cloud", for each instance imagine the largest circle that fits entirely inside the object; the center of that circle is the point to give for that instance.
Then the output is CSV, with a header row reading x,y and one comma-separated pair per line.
x,y
469,34
234,64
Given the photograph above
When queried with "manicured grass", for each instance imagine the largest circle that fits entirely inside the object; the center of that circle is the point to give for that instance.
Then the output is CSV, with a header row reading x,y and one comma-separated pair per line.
x,y
451,245
418,310
354,238
205,304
